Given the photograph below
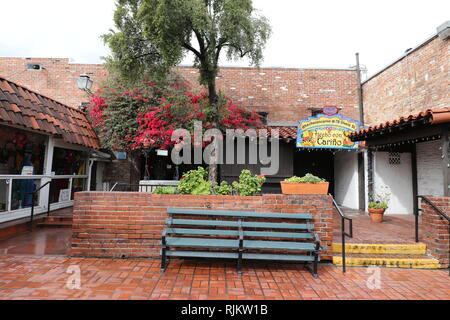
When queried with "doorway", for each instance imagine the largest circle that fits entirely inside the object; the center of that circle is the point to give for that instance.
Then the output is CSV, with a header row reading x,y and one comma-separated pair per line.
x,y
317,162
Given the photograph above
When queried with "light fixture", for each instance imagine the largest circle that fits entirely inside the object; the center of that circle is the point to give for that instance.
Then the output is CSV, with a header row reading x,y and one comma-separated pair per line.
x,y
84,83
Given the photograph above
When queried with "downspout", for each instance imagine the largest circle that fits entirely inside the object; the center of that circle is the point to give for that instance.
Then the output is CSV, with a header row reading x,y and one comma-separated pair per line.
x,y
361,165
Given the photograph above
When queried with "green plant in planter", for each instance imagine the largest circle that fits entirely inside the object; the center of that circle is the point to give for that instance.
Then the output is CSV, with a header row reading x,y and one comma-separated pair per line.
x,y
224,189
308,178
382,199
248,185
165,190
195,182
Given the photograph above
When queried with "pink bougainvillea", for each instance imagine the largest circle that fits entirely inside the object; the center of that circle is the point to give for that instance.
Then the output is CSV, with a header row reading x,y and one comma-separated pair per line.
x,y
146,117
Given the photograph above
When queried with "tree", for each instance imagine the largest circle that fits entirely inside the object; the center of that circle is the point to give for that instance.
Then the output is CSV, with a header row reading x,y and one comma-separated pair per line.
x,y
162,32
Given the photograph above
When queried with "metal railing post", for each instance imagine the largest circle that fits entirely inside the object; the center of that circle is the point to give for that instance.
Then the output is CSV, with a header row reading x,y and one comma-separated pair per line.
x,y
48,200
343,245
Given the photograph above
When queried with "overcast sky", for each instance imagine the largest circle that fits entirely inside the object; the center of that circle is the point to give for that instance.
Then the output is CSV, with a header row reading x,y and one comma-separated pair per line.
x,y
313,33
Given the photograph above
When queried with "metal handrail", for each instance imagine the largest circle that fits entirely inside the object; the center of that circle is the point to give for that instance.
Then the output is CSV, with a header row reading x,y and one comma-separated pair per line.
x,y
343,233
33,198
441,213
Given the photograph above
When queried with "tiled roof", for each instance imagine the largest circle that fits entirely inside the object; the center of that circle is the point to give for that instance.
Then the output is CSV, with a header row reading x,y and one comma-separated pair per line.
x,y
436,116
283,132
22,107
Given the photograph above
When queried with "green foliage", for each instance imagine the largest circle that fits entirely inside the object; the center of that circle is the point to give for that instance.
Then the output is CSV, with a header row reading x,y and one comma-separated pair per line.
x,y
157,34
224,189
166,190
195,182
378,205
248,185
308,178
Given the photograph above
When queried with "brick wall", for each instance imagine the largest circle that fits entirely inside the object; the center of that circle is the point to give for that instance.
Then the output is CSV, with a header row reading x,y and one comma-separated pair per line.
x,y
58,79
286,93
434,229
429,168
119,225
416,83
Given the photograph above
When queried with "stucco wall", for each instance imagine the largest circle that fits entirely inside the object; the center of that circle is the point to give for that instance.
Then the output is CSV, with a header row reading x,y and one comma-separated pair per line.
x,y
398,178
346,179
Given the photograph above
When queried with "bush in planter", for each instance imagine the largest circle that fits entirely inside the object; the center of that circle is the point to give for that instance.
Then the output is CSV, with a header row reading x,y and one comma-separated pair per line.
x,y
195,182
224,189
248,185
309,184
308,178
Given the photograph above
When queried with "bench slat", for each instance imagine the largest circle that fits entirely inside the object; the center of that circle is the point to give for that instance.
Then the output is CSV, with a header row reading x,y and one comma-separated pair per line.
x,y
247,256
216,223
201,232
283,245
204,243
305,216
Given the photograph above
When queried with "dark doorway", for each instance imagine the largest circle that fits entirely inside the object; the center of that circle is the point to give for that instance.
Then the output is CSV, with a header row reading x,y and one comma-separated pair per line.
x,y
317,162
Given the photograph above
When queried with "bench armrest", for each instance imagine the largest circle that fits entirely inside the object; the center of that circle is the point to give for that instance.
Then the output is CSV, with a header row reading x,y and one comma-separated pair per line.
x,y
317,242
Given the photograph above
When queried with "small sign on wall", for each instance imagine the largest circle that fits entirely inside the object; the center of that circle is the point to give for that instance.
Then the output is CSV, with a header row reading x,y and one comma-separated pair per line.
x,y
162,153
64,195
121,156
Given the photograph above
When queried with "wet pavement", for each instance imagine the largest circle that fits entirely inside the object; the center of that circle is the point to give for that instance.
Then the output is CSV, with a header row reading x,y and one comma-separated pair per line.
x,y
41,241
50,277
395,229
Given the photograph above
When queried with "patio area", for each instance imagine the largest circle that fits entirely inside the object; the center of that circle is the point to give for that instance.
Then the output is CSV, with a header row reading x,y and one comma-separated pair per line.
x,y
45,277
395,229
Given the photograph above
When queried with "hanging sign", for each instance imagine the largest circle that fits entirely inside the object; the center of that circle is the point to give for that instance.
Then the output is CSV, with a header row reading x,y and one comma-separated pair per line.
x,y
330,110
327,132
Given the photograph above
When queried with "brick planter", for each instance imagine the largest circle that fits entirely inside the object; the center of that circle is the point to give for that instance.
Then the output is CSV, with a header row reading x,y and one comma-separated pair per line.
x,y
433,229
129,225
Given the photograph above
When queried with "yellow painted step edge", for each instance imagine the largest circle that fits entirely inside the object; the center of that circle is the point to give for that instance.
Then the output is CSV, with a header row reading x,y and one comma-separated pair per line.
x,y
389,263
369,248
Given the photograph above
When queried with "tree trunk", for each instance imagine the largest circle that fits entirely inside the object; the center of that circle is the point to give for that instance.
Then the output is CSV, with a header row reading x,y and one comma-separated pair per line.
x,y
213,100
135,167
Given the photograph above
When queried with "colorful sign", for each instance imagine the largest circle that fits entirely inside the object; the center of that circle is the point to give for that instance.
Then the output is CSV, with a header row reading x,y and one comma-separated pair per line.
x,y
327,132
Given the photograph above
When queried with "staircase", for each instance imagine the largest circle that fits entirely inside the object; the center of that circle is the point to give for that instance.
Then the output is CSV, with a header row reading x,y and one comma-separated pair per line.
x,y
57,220
408,256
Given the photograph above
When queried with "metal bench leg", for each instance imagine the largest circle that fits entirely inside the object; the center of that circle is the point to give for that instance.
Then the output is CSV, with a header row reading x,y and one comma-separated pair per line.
x,y
239,263
315,267
164,262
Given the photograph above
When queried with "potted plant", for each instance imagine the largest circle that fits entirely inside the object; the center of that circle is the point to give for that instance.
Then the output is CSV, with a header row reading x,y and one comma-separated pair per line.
x,y
309,184
379,206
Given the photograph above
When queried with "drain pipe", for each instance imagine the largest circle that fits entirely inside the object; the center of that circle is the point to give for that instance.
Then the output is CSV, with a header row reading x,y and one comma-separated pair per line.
x,y
361,164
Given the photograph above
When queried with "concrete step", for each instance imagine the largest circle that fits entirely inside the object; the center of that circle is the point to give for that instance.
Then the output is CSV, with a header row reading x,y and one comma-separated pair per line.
x,y
369,248
389,261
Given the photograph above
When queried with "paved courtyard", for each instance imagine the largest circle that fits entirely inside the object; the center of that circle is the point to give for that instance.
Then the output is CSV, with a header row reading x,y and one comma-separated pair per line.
x,y
46,277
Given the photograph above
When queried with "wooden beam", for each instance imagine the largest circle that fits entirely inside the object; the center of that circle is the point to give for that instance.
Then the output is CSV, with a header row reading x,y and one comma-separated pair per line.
x,y
416,133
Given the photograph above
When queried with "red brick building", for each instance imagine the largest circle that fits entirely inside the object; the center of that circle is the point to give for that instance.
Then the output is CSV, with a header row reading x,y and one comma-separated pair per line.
x,y
287,96
407,107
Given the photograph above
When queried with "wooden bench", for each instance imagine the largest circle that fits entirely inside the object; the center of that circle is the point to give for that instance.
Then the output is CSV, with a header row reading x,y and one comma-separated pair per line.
x,y
241,236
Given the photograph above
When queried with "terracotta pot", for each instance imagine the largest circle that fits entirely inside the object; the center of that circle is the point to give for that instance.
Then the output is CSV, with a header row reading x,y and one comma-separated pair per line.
x,y
376,215
305,188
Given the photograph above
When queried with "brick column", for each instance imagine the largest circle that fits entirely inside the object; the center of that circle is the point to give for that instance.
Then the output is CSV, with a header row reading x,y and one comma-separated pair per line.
x,y
434,230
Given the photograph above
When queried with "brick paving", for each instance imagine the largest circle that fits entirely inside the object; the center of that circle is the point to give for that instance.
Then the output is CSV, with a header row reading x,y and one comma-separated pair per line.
x,y
45,277
395,229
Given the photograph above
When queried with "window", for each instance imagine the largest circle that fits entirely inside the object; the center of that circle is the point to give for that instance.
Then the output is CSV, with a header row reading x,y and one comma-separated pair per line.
x,y
264,116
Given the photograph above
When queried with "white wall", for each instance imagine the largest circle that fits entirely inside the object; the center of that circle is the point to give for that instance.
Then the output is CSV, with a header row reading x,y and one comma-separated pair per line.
x,y
429,169
346,179
399,180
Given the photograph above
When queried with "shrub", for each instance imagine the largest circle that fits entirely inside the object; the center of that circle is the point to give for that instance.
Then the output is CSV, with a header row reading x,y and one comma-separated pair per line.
x,y
195,182
165,190
248,185
308,178
224,189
